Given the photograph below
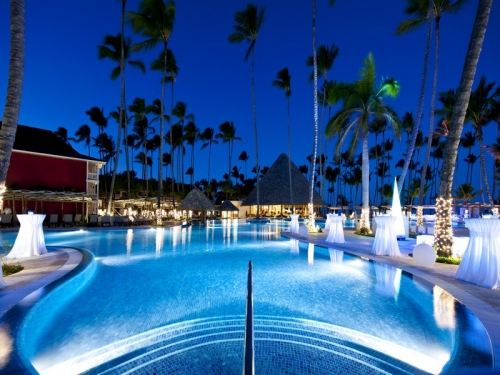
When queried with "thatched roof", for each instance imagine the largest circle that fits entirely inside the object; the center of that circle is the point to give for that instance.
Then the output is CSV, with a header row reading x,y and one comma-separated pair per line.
x,y
227,206
275,186
196,200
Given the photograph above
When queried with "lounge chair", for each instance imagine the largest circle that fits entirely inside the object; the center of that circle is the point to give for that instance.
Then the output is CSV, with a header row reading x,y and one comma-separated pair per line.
x,y
67,220
106,221
93,221
78,219
6,220
53,220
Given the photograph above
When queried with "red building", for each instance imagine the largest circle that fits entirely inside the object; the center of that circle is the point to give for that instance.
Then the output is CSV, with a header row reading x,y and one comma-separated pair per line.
x,y
49,176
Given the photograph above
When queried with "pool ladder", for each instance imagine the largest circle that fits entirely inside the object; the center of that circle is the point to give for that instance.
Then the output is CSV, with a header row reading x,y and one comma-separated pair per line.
x,y
249,360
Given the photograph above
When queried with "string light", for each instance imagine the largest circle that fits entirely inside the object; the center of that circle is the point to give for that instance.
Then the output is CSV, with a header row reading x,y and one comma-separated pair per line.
x,y
443,231
420,216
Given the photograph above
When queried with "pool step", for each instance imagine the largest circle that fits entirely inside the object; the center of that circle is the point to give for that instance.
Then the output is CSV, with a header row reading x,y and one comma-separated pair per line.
x,y
215,345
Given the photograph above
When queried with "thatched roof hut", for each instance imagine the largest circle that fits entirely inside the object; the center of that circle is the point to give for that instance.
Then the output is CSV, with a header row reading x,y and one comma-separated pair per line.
x,y
275,187
227,205
196,201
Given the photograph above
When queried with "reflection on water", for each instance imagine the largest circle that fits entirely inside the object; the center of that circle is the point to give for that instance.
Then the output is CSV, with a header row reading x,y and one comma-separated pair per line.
x,y
5,345
128,240
336,256
294,246
388,280
310,254
444,308
159,241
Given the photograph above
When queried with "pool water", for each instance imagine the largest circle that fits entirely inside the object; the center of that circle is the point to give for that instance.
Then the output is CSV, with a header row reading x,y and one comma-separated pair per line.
x,y
174,299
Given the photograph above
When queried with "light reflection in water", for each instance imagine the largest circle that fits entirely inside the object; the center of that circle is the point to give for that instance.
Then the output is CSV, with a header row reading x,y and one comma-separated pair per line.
x,y
310,254
159,241
388,280
129,238
294,246
5,345
444,308
336,256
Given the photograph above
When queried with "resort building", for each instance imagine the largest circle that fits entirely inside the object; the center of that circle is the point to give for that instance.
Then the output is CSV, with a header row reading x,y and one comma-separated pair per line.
x,y
47,175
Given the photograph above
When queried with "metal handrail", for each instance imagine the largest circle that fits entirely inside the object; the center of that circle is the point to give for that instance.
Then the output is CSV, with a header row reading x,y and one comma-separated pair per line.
x,y
248,362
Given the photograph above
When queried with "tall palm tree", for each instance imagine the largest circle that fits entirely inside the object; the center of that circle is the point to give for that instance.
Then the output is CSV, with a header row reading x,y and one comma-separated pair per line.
x,y
179,111
117,49
14,88
478,113
228,135
96,115
283,81
208,136
172,70
443,235
427,11
244,158
155,22
191,135
248,23
362,101
82,134
315,107
325,58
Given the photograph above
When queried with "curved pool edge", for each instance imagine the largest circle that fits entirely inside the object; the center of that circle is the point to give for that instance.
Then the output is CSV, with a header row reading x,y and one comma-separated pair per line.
x,y
13,321
486,314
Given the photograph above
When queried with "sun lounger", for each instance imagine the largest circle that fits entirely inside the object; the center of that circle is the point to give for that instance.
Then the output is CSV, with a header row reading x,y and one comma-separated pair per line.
x,y
7,220
106,221
67,220
93,221
78,219
53,220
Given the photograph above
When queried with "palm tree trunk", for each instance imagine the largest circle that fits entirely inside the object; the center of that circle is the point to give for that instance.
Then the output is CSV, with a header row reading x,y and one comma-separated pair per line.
x,y
172,144
483,170
420,108
443,237
14,88
162,132
289,153
209,152
315,88
254,110
365,192
433,99
120,115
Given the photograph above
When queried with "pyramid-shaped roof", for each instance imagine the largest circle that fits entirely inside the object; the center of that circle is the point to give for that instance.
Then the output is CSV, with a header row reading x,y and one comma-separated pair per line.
x,y
275,186
196,200
227,205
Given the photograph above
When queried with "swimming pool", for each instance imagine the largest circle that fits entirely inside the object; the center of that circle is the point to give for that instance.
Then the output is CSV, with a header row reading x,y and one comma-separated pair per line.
x,y
175,298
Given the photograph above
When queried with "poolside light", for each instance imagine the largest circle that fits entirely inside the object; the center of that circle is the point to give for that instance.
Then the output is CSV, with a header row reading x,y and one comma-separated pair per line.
x,y
424,255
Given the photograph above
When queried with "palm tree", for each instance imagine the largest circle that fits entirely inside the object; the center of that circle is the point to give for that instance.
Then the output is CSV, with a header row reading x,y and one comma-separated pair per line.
x,y
362,101
168,59
117,49
179,111
283,81
155,109
141,128
96,115
427,11
443,235
325,57
248,23
478,113
244,158
468,141
155,22
62,134
82,134
14,88
208,137
191,135
228,135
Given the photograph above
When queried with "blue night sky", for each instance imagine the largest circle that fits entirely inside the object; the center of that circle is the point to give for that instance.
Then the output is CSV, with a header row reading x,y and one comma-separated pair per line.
x,y
64,78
